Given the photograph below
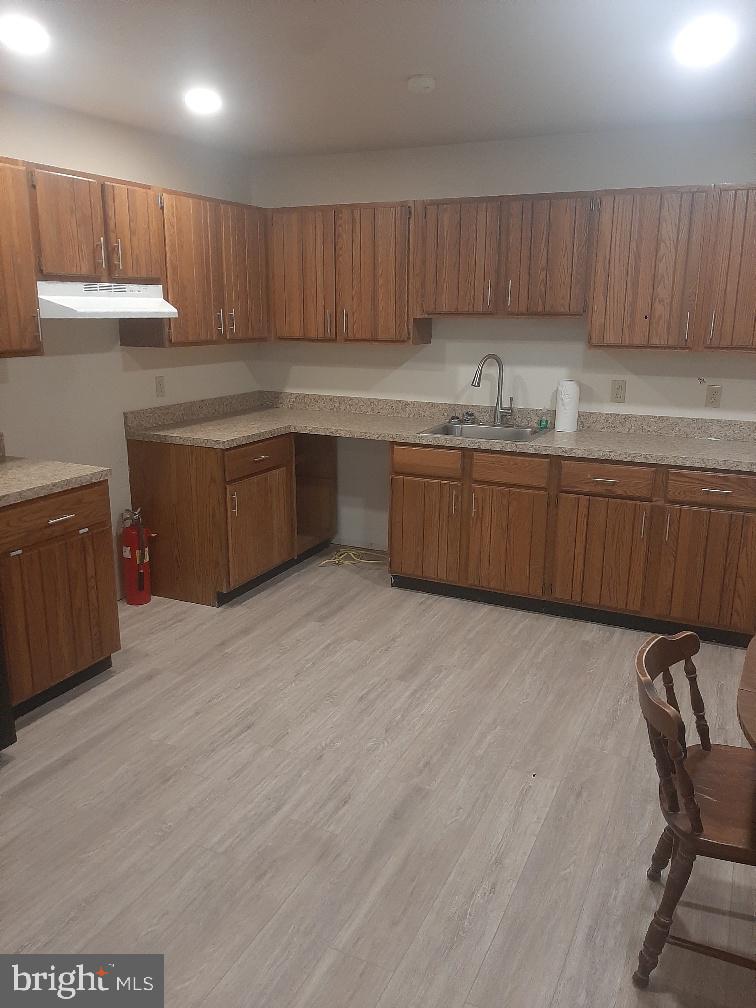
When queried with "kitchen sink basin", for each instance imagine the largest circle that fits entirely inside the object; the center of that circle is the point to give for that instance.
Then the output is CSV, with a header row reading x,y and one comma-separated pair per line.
x,y
485,432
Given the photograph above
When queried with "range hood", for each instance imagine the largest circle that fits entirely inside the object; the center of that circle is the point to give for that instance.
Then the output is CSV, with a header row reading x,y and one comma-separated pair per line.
x,y
102,301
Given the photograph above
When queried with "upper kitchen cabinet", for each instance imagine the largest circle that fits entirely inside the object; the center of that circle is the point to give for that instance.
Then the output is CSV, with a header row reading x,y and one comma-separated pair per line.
x,y
19,322
244,272
134,229
459,251
70,225
544,255
302,273
372,273
193,269
646,265
729,318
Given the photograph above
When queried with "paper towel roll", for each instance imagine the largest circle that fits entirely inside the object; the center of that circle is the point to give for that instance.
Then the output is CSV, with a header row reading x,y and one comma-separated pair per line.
x,y
567,401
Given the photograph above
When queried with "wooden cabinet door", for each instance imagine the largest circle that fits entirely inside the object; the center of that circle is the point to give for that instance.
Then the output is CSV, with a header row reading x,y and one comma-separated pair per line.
x,y
507,539
302,276
135,234
426,521
244,271
544,255
706,568
59,610
461,248
19,324
730,319
601,552
193,269
70,224
372,273
260,513
646,265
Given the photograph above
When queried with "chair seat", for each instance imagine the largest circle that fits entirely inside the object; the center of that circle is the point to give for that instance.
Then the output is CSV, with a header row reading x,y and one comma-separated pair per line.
x,y
724,781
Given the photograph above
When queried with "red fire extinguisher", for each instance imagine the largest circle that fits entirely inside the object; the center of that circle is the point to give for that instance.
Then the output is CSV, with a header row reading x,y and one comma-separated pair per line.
x,y
135,554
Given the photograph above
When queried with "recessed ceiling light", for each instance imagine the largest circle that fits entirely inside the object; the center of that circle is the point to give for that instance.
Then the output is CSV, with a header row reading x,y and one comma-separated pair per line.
x,y
23,35
203,100
705,41
421,84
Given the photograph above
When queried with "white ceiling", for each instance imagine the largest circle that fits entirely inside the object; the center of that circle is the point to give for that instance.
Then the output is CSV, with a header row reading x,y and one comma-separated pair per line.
x,y
330,75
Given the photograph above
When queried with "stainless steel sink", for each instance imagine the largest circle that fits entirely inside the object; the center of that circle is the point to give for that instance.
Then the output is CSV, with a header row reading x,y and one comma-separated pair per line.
x,y
485,432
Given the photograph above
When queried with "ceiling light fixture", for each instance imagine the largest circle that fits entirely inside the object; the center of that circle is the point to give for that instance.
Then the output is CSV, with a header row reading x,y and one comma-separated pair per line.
x,y
705,41
23,35
203,101
421,84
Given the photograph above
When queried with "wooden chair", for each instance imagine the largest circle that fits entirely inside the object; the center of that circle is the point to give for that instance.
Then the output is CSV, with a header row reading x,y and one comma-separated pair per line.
x,y
707,795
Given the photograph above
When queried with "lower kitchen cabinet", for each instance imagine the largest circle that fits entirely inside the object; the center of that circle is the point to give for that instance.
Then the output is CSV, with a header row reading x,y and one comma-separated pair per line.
x,y
57,595
426,522
601,551
507,550
260,515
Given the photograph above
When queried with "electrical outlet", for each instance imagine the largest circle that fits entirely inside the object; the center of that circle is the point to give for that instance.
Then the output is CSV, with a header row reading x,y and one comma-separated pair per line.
x,y
618,390
160,386
714,396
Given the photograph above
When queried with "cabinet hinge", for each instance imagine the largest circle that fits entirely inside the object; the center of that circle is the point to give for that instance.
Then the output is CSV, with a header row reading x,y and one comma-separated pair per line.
x,y
32,179
161,201
39,264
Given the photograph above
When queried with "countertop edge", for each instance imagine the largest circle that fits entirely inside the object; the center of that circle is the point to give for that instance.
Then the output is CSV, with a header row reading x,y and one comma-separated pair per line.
x,y
53,486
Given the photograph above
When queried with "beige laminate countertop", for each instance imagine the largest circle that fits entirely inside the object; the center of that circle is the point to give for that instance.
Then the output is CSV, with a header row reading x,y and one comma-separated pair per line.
x,y
245,428
23,479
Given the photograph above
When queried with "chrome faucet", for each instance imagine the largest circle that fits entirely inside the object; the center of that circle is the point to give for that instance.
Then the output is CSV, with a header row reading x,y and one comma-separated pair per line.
x,y
502,417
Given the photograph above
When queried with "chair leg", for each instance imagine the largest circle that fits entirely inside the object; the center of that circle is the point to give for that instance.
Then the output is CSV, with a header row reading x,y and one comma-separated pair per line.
x,y
656,936
662,854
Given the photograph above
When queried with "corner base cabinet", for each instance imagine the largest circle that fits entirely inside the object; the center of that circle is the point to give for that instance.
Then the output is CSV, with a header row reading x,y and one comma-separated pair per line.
x,y
57,588
225,517
676,545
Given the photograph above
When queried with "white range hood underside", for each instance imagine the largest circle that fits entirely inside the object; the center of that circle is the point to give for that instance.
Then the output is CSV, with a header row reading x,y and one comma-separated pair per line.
x,y
62,300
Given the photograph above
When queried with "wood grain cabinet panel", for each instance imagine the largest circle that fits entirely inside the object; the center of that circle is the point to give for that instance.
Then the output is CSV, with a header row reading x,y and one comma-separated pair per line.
x,y
461,248
425,533
706,572
261,534
372,273
645,269
135,234
19,323
730,322
507,548
302,273
59,609
601,551
444,463
544,255
193,269
244,272
71,227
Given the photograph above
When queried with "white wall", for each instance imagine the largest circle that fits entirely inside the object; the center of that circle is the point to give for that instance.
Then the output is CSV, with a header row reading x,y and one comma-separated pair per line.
x,y
537,352
68,404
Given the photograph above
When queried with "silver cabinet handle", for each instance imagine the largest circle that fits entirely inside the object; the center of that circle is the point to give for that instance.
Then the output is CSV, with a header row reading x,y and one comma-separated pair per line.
x,y
102,251
54,521
714,490
454,501
119,253
643,526
488,295
234,504
711,327
509,292
687,325
16,552
666,530
221,328
345,321
473,502
232,320
83,531
602,479
328,321
260,458
39,325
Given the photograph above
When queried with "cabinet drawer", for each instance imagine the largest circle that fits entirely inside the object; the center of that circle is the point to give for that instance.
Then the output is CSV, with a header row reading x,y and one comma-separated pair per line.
x,y
513,470
44,518
604,479
257,457
440,462
711,489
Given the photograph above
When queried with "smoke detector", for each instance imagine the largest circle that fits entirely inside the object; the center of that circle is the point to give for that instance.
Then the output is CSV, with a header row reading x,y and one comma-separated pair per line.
x,y
421,84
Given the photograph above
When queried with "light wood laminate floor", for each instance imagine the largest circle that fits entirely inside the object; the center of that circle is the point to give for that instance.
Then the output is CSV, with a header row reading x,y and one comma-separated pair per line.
x,y
334,794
